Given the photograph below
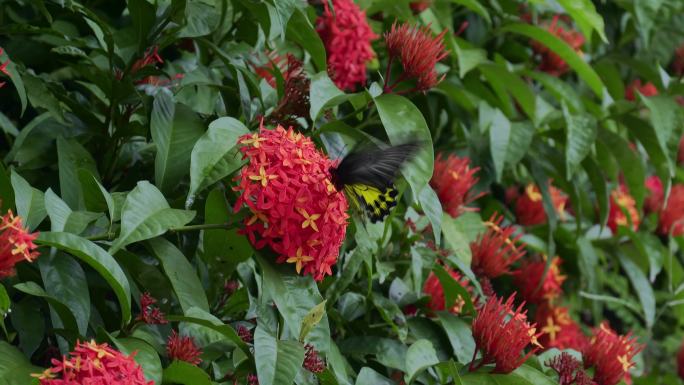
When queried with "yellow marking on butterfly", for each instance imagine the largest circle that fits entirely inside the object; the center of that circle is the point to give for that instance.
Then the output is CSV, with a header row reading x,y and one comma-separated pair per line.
x,y
377,203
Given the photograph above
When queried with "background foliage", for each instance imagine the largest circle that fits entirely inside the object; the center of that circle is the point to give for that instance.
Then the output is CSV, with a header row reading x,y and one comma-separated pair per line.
x,y
126,171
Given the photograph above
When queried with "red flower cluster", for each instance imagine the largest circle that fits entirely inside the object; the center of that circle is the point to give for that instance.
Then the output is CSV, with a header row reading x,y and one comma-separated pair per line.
x,y
94,364
501,335
536,286
654,201
418,53
183,349
529,208
620,203
3,68
295,102
347,38
551,63
295,207
672,216
560,331
149,313
678,62
453,180
252,379
244,334
433,287
495,250
312,361
647,90
611,355
420,6
16,244
569,370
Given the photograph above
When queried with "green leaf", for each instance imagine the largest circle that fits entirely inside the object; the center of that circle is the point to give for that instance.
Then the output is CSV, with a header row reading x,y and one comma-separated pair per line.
x,y
15,368
631,165
201,19
181,372
519,142
145,355
180,273
30,202
65,314
452,290
146,214
300,31
665,116
72,157
65,279
143,15
429,202
468,58
562,49
368,376
533,375
214,156
277,361
419,356
598,183
513,84
475,6
585,15
588,264
6,190
403,121
175,129
499,137
311,319
62,218
98,259
96,198
324,94
460,336
295,296
642,288
201,318
15,78
455,240
580,134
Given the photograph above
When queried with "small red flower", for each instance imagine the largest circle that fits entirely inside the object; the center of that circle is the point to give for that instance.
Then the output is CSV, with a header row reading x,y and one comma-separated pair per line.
x,y
678,62
3,67
495,250
149,313
347,38
680,361
312,361
252,379
537,287
611,354
244,334
647,90
672,216
420,6
296,210
183,349
267,71
16,244
453,180
529,208
569,370
654,200
560,331
433,288
418,51
295,102
551,63
91,363
501,335
620,203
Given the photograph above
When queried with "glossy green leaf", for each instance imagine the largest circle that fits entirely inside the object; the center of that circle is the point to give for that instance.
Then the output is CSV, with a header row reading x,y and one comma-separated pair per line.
x,y
145,355
324,94
65,314
72,157
631,165
65,279
460,336
499,137
96,197
300,30
455,240
562,49
277,361
15,78
642,288
311,319
370,376
146,214
30,202
404,121
580,136
585,15
419,356
62,218
665,116
201,318
180,372
214,155
453,290
15,368
475,6
180,273
429,202
175,129
98,259
512,84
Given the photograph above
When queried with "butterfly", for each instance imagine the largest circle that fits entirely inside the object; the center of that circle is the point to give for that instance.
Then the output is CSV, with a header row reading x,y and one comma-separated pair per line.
x,y
367,177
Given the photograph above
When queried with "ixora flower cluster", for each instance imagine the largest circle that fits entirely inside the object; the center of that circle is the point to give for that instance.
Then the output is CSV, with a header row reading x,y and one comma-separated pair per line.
x,y
16,244
94,364
296,210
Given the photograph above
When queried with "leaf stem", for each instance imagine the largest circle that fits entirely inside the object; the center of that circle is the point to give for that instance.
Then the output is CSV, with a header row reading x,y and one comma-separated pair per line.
x,y
206,226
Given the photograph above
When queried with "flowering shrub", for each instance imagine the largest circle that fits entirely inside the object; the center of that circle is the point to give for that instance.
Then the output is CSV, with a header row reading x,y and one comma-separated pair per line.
x,y
172,190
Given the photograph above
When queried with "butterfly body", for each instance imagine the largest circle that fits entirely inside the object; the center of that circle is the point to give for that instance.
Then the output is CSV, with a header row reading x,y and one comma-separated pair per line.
x,y
367,177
